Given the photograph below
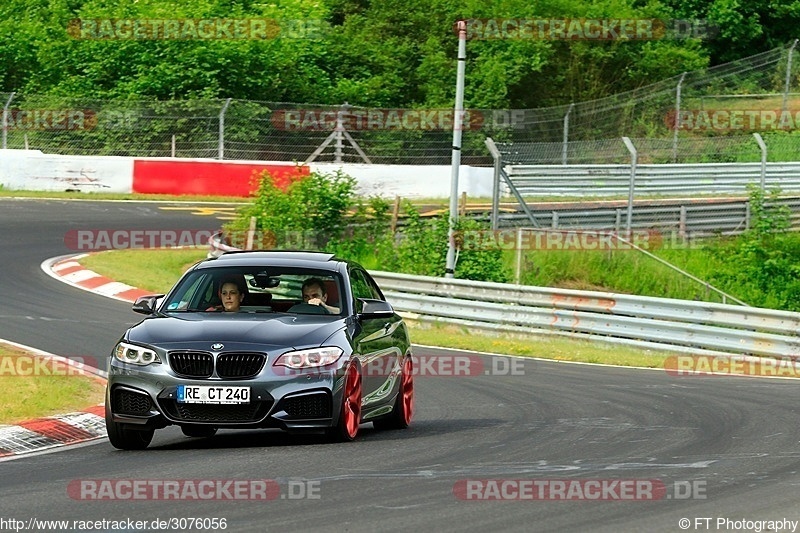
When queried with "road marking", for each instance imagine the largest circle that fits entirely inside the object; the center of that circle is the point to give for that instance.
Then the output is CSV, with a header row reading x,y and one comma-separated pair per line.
x,y
222,213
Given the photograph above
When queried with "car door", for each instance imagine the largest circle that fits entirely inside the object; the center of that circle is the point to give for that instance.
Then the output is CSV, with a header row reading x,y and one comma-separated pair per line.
x,y
375,342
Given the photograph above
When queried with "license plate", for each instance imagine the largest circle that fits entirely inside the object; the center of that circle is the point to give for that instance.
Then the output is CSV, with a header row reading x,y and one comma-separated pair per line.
x,y
212,394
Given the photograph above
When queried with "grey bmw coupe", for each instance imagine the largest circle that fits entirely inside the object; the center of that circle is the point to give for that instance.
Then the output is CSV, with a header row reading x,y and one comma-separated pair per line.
x,y
301,341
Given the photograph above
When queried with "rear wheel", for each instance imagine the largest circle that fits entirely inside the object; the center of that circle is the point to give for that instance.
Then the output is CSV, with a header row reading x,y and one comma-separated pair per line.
x,y
403,410
199,431
350,416
126,439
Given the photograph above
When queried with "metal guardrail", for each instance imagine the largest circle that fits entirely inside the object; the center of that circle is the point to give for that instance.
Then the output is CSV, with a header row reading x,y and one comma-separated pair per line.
x,y
678,325
651,180
727,217
663,323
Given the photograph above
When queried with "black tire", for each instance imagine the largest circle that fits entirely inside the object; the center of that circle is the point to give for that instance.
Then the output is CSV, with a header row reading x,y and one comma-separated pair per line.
x,y
124,438
199,431
346,428
403,409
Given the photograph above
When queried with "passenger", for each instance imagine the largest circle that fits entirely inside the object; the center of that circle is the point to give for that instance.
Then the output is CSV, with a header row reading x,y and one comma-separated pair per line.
x,y
231,293
314,293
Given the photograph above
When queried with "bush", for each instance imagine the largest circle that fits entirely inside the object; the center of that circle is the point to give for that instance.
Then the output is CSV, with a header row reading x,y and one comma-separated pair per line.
x,y
322,211
760,264
423,250
311,210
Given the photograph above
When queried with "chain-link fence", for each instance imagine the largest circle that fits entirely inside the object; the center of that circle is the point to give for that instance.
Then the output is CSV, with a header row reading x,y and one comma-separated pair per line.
x,y
235,129
704,113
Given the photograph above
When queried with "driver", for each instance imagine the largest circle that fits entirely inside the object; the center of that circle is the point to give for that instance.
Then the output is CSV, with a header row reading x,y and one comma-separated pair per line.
x,y
314,293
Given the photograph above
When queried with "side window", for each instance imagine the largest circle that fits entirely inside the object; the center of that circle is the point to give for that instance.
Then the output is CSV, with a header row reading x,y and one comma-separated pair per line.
x,y
377,294
361,288
189,294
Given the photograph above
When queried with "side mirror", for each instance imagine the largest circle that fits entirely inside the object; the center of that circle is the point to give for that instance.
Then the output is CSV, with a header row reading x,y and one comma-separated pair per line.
x,y
146,305
375,308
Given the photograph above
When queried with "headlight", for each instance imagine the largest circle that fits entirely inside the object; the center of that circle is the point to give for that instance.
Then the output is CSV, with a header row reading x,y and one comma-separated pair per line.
x,y
310,358
135,355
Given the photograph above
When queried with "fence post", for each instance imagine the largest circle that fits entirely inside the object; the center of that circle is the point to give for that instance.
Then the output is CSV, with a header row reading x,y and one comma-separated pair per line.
x,y
747,216
5,120
682,224
566,135
788,76
172,146
677,119
518,257
498,166
763,146
251,233
455,161
221,148
340,132
634,159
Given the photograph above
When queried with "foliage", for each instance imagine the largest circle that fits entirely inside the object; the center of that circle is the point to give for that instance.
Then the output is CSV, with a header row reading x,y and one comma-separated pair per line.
x,y
322,211
367,237
762,262
423,249
307,213
390,54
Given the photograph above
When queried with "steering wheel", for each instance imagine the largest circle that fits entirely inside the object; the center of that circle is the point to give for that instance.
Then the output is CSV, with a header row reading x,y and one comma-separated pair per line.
x,y
308,309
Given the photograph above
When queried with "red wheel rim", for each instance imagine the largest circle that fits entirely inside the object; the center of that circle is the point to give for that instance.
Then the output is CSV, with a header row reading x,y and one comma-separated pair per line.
x,y
351,408
407,390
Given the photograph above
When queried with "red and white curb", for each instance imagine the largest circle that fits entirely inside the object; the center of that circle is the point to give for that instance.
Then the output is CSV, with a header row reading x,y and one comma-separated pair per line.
x,y
73,428
71,272
54,431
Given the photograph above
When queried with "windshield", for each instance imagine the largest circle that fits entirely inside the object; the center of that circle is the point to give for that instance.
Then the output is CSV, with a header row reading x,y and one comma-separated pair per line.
x,y
256,290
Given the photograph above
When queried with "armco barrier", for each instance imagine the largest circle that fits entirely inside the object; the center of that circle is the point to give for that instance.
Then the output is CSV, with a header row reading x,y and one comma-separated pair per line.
x,y
651,180
679,325
663,323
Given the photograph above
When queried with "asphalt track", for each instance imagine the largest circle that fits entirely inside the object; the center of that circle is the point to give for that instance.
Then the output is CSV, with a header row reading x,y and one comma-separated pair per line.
x,y
735,438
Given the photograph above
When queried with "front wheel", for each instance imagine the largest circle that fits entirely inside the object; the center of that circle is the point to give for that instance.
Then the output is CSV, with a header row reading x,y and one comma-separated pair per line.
x,y
126,439
403,410
350,416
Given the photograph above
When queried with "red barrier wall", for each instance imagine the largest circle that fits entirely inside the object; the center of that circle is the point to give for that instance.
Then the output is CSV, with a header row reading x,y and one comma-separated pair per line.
x,y
207,177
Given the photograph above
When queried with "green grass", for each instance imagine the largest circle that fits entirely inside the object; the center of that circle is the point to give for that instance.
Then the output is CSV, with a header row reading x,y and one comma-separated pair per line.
x,y
633,272
156,271
543,346
24,396
621,271
151,270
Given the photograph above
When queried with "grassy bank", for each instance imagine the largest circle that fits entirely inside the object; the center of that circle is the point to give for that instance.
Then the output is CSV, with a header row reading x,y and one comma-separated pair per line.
x,y
31,387
623,271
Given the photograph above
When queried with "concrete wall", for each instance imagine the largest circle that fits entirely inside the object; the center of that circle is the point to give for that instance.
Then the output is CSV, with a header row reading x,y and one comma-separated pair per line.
x,y
33,170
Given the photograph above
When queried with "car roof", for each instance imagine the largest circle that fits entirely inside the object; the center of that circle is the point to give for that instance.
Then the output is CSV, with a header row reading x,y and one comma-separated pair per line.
x,y
282,258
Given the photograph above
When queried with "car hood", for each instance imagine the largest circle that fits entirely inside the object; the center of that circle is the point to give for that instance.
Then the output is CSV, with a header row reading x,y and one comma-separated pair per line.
x,y
199,331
